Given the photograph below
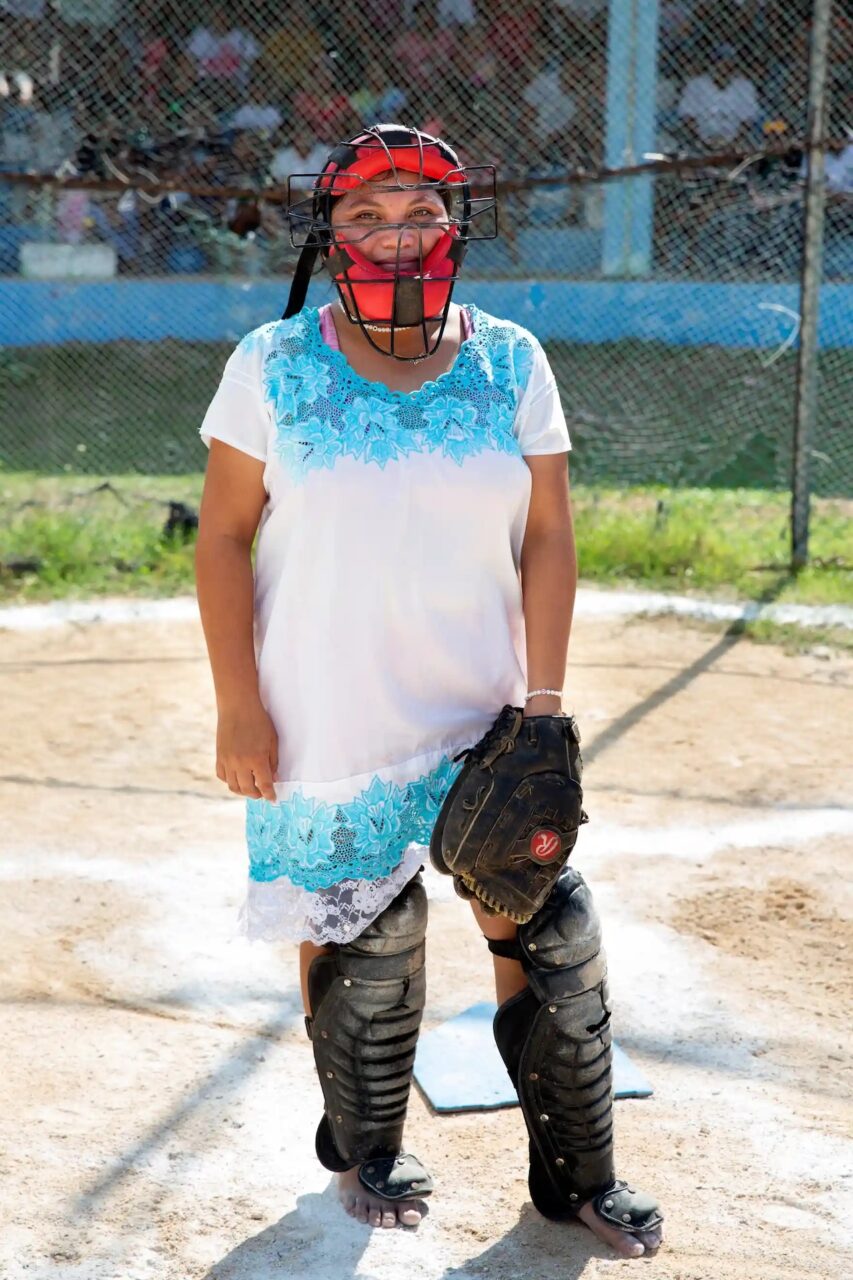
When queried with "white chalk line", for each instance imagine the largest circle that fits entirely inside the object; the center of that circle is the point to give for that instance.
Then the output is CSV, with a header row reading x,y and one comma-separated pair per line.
x,y
784,828
590,603
661,979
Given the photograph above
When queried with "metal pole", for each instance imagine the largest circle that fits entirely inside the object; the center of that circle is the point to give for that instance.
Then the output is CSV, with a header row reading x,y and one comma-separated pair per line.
x,y
805,397
615,245
632,36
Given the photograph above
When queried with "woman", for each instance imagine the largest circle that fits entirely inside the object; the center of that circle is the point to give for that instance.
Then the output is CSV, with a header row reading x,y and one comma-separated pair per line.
x,y
404,460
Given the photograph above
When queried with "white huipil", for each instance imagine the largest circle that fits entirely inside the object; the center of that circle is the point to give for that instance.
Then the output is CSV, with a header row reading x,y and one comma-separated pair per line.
x,y
388,622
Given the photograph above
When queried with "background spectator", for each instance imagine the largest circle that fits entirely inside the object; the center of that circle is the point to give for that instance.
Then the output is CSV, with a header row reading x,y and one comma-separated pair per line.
x,y
289,51
378,98
511,36
180,94
456,13
424,53
257,112
301,153
249,92
223,54
719,105
839,171
323,106
549,94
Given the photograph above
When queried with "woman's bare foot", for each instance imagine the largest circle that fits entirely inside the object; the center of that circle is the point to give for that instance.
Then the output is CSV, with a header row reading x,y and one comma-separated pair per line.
x,y
372,1209
627,1244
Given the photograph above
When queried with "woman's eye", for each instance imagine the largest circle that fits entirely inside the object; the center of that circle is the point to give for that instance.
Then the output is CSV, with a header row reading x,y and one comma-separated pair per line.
x,y
416,213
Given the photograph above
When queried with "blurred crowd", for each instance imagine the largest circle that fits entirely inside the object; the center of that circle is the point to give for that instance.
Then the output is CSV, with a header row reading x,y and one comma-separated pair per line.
x,y
249,93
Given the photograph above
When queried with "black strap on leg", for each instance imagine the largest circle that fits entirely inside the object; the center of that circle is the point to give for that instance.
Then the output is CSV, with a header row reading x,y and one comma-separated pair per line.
x,y
507,947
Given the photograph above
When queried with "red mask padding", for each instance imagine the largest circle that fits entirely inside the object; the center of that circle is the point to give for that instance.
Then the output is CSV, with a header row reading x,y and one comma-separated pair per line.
x,y
372,290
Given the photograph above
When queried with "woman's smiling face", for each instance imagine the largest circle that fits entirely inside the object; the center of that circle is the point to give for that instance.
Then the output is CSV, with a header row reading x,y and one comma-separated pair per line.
x,y
366,217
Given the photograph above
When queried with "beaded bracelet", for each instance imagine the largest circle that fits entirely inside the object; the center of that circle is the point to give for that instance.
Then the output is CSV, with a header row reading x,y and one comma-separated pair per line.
x,y
557,692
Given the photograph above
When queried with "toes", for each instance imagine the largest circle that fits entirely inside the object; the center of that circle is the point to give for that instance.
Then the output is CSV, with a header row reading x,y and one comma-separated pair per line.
x,y
410,1216
375,1217
627,1246
361,1210
389,1218
650,1240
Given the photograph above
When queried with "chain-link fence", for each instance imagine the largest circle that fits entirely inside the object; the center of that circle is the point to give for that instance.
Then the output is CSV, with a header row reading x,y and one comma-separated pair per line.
x,y
145,149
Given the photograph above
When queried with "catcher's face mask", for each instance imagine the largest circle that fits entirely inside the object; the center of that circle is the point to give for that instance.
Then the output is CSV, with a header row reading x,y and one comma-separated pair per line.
x,y
391,214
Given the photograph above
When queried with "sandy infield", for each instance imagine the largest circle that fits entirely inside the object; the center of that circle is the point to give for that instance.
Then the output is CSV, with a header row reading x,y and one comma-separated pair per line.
x,y
158,1093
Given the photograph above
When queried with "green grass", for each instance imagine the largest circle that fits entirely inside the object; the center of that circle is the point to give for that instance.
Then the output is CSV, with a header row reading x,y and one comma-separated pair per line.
x,y
731,544
681,459
640,413
93,543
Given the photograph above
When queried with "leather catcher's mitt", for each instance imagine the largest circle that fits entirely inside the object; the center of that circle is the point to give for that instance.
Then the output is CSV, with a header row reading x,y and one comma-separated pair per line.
x,y
511,818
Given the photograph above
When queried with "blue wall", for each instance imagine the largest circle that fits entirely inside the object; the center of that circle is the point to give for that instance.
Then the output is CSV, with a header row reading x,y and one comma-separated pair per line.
x,y
684,312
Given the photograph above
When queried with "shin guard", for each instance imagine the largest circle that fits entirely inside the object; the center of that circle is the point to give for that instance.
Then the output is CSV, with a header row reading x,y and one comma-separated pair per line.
x,y
555,1040
367,998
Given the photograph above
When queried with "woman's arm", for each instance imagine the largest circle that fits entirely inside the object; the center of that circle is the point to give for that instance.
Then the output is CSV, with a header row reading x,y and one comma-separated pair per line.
x,y
549,574
231,506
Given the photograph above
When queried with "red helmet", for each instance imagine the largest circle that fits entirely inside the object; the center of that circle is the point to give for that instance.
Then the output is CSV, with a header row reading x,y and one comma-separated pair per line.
x,y
371,294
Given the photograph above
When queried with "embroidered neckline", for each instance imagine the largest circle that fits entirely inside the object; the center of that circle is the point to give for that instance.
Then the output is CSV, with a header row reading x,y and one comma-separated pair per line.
x,y
333,354
324,411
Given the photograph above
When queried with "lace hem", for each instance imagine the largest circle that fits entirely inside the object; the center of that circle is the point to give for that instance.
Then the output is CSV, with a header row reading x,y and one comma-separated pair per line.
x,y
281,911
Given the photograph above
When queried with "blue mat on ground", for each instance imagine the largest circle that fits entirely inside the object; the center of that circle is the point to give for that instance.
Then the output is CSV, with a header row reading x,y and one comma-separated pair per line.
x,y
458,1066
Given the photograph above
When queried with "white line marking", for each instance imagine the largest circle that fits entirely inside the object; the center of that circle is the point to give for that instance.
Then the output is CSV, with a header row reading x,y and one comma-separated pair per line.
x,y
591,603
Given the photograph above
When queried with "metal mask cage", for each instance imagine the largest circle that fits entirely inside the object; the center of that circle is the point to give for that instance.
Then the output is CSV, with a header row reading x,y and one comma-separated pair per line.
x,y
376,159
469,198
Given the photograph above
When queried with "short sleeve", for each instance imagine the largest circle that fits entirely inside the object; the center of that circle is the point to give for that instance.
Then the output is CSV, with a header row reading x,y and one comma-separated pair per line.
x,y
237,413
540,424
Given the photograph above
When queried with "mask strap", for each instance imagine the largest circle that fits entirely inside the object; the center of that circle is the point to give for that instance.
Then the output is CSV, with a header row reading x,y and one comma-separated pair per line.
x,y
302,276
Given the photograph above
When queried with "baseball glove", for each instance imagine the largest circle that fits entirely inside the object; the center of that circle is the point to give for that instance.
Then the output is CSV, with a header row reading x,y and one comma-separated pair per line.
x,y
511,818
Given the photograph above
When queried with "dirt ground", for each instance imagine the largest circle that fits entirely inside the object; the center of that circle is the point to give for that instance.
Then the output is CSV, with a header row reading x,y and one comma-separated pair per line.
x,y
158,1093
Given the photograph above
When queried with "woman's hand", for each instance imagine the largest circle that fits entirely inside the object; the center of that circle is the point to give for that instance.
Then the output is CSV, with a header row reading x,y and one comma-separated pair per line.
x,y
247,751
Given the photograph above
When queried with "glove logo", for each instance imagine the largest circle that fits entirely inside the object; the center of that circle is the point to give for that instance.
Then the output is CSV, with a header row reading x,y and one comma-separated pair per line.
x,y
545,845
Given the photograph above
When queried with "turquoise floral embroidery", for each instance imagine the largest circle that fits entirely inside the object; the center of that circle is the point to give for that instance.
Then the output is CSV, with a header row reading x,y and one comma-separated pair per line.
x,y
309,440
307,379
375,816
306,829
452,424
324,411
316,844
374,428
522,361
262,828
284,398
258,338
293,381
499,426
429,791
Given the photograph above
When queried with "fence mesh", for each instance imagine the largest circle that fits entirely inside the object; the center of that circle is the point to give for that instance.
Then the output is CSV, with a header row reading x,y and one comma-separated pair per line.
x,y
119,302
